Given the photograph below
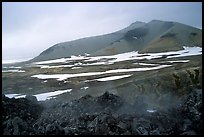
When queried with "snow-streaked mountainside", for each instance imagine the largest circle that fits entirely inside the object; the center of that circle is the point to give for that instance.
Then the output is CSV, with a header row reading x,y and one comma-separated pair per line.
x,y
147,74
154,36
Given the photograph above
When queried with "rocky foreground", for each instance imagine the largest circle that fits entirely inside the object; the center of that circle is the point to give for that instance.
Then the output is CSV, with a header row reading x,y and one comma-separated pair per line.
x,y
104,115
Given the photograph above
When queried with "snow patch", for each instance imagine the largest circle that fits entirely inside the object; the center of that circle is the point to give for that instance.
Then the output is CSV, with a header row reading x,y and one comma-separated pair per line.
x,y
76,67
51,61
61,77
11,95
44,81
13,70
42,96
134,55
49,95
188,51
146,64
112,78
176,61
58,66
151,110
135,37
84,88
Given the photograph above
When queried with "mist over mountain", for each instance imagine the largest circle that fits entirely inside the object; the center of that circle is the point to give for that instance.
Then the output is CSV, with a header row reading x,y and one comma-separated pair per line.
x,y
154,36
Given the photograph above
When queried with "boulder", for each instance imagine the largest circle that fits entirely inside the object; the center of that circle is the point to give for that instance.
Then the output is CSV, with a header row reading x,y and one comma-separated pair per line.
x,y
54,129
142,131
50,129
31,98
122,127
92,126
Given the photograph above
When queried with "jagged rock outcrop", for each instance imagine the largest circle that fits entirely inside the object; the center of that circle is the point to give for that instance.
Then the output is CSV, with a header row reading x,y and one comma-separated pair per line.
x,y
100,116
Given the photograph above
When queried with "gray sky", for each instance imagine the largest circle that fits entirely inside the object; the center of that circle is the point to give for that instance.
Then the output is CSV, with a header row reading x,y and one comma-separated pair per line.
x,y
29,28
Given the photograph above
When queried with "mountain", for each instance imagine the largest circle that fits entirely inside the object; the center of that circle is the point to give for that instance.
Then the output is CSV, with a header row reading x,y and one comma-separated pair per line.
x,y
154,36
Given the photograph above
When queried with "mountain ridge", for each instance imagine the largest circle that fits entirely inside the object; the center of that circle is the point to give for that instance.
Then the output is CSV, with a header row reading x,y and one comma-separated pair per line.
x,y
140,36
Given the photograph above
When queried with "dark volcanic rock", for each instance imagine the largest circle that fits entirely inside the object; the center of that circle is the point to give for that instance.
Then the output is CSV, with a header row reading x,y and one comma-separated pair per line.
x,y
54,129
18,115
192,110
104,115
111,101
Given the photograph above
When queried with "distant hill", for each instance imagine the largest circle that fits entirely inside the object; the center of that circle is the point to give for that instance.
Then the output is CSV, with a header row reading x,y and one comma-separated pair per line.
x,y
154,36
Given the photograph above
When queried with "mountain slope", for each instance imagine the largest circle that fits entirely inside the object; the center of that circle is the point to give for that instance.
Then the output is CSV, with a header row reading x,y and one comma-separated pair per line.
x,y
174,38
155,36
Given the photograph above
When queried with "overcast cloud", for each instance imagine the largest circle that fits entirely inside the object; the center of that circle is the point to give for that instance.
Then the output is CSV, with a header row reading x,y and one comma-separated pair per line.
x,y
30,28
